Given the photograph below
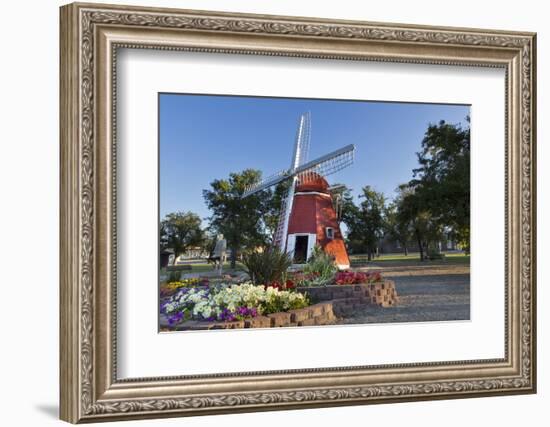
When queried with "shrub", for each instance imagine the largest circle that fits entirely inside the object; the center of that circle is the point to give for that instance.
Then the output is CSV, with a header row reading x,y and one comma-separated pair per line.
x,y
268,266
434,255
302,279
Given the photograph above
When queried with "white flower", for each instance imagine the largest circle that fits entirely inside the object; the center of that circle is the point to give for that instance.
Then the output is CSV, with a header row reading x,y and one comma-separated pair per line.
x,y
211,304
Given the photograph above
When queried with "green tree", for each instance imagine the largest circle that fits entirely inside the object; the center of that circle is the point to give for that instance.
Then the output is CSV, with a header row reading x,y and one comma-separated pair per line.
x,y
240,220
365,222
395,227
442,181
350,216
179,231
412,213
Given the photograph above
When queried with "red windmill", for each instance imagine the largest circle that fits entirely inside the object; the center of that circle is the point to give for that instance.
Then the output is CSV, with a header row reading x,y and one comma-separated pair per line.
x,y
308,215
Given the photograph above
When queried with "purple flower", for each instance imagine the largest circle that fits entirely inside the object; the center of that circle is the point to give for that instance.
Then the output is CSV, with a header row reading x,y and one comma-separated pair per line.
x,y
227,315
175,318
243,312
180,292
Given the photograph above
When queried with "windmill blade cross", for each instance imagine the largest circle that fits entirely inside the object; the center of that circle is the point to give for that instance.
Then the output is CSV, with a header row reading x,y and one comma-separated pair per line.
x,y
326,165
268,182
323,166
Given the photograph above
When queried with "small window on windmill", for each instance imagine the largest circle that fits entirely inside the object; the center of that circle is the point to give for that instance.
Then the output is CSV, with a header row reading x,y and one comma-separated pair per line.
x,y
329,231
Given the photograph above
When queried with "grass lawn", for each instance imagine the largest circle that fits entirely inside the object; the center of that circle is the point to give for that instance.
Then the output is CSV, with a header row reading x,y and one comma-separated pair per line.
x,y
398,259
453,258
203,266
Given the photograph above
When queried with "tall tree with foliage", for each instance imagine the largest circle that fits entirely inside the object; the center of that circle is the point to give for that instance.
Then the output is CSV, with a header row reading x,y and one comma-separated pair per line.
x,y
396,227
425,229
179,231
351,217
365,222
442,182
240,220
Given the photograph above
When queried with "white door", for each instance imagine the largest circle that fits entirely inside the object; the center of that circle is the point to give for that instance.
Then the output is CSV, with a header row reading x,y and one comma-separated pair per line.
x,y
290,245
311,244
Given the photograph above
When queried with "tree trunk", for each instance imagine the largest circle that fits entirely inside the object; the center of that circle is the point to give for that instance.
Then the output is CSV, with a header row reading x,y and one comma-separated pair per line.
x,y
406,249
233,258
420,246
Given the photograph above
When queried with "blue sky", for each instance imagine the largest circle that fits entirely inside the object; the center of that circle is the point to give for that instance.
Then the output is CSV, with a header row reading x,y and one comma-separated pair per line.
x,y
205,137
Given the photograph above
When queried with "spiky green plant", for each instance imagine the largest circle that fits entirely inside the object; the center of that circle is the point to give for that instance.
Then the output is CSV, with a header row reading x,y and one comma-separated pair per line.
x,y
267,266
321,265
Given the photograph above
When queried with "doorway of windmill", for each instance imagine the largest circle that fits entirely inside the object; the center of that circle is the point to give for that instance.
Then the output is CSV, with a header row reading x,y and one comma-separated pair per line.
x,y
300,250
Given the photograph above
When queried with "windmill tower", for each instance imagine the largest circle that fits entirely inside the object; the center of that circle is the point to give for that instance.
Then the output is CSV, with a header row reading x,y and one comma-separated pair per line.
x,y
308,216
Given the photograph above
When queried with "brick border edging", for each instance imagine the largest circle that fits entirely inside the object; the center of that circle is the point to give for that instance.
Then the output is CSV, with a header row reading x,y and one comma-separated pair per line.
x,y
321,313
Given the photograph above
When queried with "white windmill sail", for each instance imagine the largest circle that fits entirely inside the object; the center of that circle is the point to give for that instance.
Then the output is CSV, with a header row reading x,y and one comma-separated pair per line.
x,y
270,181
327,165
300,156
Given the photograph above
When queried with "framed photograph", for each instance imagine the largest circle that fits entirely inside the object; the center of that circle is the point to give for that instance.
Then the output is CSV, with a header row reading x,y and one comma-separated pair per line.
x,y
267,212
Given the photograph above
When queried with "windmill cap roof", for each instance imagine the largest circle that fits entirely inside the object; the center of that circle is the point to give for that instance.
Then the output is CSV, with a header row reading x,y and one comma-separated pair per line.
x,y
313,183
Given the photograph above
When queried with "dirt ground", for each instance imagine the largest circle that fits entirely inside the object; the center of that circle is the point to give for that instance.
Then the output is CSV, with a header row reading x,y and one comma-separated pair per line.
x,y
435,292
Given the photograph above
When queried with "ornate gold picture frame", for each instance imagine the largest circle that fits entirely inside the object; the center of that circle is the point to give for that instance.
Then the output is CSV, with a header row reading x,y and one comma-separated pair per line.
x,y
91,35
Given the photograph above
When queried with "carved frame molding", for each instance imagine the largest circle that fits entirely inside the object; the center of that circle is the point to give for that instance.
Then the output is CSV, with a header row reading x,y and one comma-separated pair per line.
x,y
90,37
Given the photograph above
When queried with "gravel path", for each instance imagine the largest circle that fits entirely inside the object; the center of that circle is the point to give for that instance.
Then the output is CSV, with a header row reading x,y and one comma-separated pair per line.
x,y
423,296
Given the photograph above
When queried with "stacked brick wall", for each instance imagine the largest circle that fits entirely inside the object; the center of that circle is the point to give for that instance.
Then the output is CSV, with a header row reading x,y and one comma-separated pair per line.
x,y
318,314
380,293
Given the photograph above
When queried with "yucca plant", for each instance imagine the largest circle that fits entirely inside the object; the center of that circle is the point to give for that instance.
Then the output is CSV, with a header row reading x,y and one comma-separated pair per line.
x,y
267,266
321,266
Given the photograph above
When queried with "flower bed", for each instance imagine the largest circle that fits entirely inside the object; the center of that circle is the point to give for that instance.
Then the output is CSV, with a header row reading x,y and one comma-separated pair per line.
x,y
302,279
170,288
191,304
228,303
